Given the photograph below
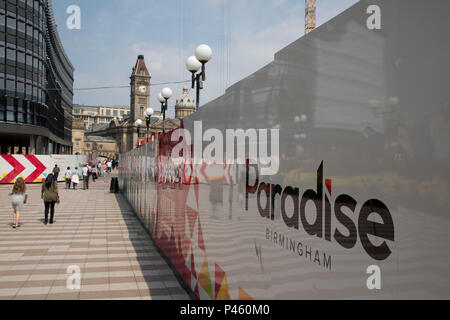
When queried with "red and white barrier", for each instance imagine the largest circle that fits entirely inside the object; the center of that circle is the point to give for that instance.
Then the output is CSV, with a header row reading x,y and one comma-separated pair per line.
x,y
35,168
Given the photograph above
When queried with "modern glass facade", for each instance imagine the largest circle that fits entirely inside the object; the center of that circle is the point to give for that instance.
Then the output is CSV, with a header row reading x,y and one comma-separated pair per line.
x,y
36,80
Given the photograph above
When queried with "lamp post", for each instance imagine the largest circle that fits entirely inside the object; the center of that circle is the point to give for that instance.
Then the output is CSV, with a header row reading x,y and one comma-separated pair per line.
x,y
138,125
203,54
164,97
148,116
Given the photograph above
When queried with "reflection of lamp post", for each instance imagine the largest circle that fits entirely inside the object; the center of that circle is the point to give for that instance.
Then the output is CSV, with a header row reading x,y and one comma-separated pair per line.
x,y
138,125
164,97
148,115
203,54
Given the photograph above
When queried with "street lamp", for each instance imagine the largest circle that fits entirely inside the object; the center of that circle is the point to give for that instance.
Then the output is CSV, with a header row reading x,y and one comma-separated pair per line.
x,y
138,125
148,115
203,54
164,97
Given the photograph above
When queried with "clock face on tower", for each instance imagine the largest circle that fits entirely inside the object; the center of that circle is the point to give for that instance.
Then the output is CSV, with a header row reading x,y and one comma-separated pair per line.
x,y
143,89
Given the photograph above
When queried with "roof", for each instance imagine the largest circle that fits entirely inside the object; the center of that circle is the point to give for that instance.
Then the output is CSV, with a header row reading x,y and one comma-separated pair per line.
x,y
140,68
170,124
98,139
185,101
99,127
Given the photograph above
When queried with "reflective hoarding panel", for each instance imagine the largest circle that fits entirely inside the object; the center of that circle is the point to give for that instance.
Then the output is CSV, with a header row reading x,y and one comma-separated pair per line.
x,y
361,121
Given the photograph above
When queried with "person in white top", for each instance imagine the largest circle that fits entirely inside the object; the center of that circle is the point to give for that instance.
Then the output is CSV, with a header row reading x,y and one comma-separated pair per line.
x,y
68,176
85,172
109,165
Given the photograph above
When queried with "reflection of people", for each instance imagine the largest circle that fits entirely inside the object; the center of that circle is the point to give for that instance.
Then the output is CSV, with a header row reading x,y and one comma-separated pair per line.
x,y
216,195
215,177
241,187
233,180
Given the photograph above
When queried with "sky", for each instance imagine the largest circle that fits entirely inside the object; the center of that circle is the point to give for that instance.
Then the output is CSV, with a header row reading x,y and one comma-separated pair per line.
x,y
243,34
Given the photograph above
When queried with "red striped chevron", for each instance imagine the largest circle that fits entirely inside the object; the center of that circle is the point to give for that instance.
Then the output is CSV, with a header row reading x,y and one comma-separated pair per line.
x,y
40,168
17,168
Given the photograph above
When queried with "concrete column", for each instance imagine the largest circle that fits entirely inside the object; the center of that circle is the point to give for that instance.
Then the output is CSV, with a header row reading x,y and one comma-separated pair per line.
x,y
39,145
32,145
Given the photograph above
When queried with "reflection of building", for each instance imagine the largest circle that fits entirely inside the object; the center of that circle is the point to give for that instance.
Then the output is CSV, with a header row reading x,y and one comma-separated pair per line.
x,y
99,115
36,81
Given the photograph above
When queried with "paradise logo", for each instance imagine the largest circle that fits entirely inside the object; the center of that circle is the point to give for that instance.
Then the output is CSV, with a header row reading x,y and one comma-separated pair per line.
x,y
321,227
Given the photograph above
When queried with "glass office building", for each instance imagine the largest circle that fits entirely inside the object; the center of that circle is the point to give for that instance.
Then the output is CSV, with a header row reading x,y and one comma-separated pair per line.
x,y
36,81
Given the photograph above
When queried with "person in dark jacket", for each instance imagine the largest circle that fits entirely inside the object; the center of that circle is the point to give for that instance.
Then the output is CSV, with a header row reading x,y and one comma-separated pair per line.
x,y
50,195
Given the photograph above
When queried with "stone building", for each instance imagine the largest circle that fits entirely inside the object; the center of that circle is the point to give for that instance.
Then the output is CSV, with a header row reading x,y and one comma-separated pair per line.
x,y
93,115
84,144
185,105
123,131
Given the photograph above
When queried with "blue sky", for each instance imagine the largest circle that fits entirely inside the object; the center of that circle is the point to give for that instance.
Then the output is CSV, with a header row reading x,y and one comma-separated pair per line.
x,y
244,35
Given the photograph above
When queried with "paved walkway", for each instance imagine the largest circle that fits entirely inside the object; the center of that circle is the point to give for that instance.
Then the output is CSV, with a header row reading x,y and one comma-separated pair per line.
x,y
94,230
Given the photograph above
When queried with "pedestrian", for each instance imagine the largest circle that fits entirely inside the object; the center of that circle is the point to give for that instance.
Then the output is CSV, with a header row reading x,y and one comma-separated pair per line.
x,y
19,198
68,178
93,171
99,169
50,195
85,172
75,178
109,165
56,172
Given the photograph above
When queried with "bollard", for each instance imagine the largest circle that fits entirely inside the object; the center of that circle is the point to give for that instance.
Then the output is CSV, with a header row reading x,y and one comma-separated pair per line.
x,y
114,186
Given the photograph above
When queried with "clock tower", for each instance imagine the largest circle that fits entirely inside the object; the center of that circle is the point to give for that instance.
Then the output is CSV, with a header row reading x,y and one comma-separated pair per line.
x,y
140,90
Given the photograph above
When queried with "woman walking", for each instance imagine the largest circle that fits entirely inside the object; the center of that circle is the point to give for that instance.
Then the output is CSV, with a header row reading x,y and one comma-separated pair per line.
x,y
19,198
50,195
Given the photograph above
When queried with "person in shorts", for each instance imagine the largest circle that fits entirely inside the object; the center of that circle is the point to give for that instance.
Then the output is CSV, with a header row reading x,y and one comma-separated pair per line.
x,y
19,198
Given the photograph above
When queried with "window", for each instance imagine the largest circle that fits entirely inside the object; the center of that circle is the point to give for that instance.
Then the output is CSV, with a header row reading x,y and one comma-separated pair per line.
x,y
108,112
29,89
2,19
2,52
21,57
29,60
115,113
21,26
20,87
10,85
29,30
11,23
11,54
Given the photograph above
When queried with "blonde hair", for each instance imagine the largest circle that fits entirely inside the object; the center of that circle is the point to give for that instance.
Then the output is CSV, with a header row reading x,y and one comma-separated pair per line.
x,y
19,186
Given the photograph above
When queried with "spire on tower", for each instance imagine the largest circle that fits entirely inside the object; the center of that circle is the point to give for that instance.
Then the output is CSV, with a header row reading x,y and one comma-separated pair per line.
x,y
140,68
